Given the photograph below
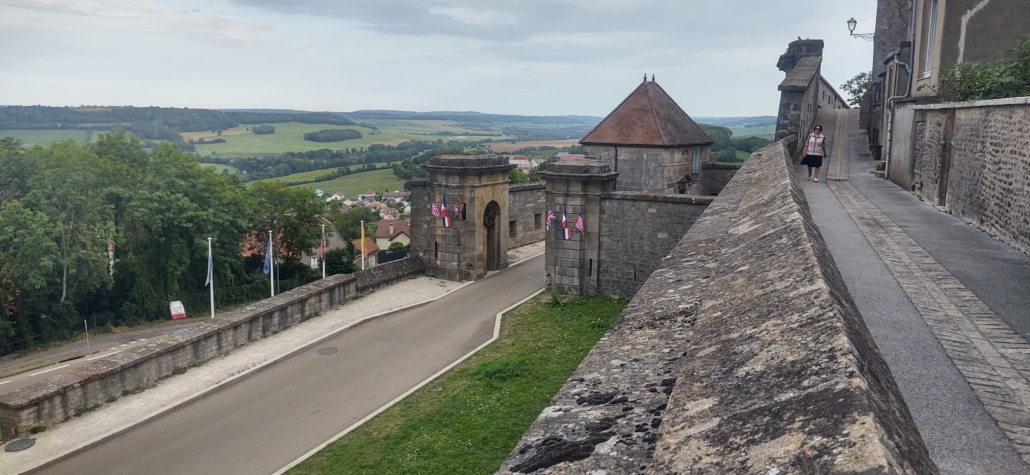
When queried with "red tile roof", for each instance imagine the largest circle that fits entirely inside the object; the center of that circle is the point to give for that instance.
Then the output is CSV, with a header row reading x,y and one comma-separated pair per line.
x,y
370,246
399,226
648,116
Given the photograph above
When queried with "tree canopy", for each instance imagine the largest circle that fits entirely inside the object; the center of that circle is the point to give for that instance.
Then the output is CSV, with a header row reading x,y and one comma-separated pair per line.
x,y
332,135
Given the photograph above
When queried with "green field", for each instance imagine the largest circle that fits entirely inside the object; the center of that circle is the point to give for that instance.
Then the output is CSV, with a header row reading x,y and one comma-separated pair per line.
x,y
43,137
219,167
311,175
767,131
289,137
351,185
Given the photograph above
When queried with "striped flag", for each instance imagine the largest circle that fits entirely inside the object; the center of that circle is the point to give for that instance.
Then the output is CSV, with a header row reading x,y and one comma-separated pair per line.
x,y
455,210
443,213
323,246
566,233
436,210
579,222
268,255
550,218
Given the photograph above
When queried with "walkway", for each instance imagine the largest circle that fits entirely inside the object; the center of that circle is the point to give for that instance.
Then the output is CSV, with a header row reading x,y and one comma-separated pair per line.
x,y
941,299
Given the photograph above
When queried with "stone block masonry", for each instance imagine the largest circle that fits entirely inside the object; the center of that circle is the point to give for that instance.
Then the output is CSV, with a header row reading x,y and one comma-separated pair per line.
x,y
743,353
527,208
972,158
63,396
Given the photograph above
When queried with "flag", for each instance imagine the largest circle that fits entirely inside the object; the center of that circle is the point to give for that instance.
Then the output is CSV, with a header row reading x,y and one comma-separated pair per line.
x,y
323,244
268,256
443,212
550,218
210,268
579,222
436,210
455,210
566,233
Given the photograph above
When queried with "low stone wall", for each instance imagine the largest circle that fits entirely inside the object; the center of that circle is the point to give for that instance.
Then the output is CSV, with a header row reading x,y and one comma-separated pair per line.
x,y
637,230
972,158
63,396
527,207
743,353
715,176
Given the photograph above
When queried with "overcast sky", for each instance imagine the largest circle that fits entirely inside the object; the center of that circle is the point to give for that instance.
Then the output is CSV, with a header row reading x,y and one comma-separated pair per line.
x,y
531,57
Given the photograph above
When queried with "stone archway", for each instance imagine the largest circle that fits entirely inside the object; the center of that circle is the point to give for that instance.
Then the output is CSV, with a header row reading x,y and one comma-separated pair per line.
x,y
493,236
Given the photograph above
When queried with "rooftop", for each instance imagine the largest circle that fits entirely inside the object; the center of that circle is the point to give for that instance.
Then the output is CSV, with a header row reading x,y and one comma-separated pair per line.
x,y
648,116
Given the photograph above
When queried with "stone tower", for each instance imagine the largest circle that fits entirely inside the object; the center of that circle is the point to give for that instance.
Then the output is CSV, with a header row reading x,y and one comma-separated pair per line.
x,y
651,143
476,191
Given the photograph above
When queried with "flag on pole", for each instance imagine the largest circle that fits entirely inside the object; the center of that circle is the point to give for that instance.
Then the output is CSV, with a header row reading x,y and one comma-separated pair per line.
x,y
323,246
268,255
566,233
455,210
579,222
550,218
210,267
443,212
436,210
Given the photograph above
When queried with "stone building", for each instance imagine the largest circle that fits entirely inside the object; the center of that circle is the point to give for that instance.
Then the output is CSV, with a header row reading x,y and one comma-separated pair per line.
x,y
651,143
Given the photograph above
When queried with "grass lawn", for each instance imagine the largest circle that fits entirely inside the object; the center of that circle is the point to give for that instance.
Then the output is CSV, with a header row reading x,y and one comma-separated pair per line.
x,y
355,184
471,418
219,167
311,175
766,131
43,137
742,155
289,137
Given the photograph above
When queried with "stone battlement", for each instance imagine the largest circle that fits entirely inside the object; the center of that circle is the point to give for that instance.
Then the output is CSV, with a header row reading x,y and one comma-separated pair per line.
x,y
742,353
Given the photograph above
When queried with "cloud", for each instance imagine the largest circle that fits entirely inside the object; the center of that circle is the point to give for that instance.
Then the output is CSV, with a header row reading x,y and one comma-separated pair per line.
x,y
139,17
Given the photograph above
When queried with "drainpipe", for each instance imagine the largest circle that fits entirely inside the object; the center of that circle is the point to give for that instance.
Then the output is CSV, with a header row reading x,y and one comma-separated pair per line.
x,y
908,91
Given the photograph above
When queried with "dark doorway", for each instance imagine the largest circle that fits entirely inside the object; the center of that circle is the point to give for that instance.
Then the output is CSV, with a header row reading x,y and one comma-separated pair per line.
x,y
493,236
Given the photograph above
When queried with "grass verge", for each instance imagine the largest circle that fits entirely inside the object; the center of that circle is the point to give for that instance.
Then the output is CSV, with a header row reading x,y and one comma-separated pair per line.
x,y
470,419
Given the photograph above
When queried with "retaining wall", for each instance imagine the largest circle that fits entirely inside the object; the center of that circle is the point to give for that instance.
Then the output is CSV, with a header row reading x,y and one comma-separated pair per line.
x,y
63,396
742,353
527,207
973,158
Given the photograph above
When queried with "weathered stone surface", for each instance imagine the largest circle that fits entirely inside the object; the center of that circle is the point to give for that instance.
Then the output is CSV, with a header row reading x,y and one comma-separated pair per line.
x,y
527,207
743,353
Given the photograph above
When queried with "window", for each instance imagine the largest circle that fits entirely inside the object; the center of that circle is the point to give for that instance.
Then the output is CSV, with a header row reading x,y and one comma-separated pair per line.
x,y
672,190
672,157
931,34
696,166
536,221
693,189
513,228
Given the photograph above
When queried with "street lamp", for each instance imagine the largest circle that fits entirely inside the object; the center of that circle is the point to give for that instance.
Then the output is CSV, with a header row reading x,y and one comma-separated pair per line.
x,y
852,23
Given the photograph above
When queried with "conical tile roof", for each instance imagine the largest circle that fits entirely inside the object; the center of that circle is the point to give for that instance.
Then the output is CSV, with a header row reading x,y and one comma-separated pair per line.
x,y
647,117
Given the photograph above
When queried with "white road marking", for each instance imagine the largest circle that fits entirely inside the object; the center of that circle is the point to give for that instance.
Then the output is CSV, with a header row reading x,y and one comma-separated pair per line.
x,y
123,344
51,369
101,356
5,382
114,347
131,342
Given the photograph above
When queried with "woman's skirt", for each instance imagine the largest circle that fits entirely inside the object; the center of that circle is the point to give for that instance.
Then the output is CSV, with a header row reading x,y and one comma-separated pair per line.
x,y
814,161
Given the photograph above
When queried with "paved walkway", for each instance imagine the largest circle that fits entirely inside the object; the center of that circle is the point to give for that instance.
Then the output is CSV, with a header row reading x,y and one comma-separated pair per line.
x,y
941,299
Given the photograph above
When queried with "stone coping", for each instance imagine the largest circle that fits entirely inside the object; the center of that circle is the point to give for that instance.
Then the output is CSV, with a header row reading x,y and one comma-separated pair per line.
x,y
722,166
1011,101
801,76
659,197
533,185
742,353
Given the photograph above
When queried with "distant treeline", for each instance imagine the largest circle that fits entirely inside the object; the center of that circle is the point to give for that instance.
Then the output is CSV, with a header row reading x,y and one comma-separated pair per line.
x,y
725,146
332,135
471,118
263,130
149,123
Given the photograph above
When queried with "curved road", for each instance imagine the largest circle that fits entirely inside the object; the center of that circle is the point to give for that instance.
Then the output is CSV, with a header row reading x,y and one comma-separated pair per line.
x,y
264,421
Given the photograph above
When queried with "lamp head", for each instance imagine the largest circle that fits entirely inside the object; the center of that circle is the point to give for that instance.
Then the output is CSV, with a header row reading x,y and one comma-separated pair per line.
x,y
852,23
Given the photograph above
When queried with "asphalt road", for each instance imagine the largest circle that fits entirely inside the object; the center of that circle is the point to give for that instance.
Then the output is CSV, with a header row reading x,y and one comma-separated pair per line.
x,y
266,420
35,375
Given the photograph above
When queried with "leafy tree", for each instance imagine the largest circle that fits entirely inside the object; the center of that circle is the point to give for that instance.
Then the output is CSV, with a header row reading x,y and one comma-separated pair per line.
x,y
398,246
857,87
291,212
517,176
263,130
720,135
332,135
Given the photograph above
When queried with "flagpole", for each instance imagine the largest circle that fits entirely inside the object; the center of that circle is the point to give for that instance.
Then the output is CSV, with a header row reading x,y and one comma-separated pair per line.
x,y
271,267
87,336
211,274
362,245
323,251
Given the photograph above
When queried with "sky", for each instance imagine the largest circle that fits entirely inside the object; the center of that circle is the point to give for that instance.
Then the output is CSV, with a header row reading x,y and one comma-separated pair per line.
x,y
716,58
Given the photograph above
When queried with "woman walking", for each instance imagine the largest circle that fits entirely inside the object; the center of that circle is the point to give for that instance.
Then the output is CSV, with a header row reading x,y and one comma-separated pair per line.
x,y
815,149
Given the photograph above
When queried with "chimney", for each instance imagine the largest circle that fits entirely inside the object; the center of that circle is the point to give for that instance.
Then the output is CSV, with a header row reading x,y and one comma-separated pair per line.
x,y
391,228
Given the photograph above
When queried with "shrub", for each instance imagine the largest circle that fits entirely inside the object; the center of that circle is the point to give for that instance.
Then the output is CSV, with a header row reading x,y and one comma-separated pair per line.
x,y
978,81
263,130
332,135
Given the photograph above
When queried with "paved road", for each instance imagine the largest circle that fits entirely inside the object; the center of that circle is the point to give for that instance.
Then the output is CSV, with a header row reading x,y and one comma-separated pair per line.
x,y
266,420
37,374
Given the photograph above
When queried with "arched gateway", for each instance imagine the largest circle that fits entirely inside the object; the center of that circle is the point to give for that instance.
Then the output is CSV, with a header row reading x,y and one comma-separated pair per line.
x,y
457,216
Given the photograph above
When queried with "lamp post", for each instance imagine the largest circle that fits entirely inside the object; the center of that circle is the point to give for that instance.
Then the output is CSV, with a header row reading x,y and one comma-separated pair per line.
x,y
852,23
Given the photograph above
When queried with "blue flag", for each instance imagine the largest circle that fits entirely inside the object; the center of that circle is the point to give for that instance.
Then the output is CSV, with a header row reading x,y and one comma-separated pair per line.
x,y
210,269
268,256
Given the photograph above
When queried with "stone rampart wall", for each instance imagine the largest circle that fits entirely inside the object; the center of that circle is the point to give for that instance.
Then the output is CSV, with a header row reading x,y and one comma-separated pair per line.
x,y
63,396
742,353
637,230
799,101
715,177
986,157
527,206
